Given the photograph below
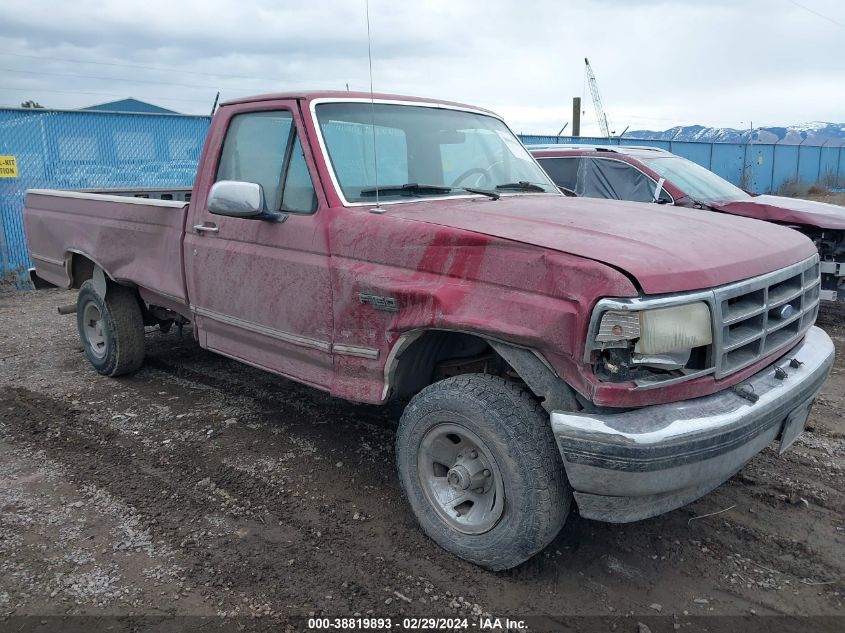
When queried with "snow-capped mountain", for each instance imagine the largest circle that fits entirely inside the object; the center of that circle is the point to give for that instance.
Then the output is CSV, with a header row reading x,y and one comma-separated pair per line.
x,y
816,133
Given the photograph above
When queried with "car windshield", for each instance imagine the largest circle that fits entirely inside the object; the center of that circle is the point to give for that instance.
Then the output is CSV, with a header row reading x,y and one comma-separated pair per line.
x,y
694,180
419,151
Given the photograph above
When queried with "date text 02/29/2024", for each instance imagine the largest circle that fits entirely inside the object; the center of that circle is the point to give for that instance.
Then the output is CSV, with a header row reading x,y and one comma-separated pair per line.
x,y
414,624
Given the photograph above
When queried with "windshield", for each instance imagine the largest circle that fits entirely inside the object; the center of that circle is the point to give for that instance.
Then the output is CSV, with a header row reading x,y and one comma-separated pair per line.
x,y
694,180
423,151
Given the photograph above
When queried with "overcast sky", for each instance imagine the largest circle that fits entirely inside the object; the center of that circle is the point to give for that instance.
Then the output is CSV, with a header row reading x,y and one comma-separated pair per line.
x,y
659,63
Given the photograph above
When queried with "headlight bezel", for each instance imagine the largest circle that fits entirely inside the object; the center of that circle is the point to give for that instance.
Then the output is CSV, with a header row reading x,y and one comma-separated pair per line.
x,y
634,306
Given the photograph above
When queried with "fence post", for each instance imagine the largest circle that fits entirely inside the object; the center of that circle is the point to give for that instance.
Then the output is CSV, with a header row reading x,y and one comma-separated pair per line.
x,y
798,160
774,153
821,153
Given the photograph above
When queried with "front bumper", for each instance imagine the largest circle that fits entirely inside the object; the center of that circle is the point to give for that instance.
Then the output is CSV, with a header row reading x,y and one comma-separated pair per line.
x,y
637,464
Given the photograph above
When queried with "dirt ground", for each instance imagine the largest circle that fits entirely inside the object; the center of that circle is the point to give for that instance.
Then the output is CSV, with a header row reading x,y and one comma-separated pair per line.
x,y
200,486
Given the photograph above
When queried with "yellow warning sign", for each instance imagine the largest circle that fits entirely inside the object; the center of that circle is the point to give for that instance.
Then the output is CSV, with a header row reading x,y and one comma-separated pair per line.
x,y
8,167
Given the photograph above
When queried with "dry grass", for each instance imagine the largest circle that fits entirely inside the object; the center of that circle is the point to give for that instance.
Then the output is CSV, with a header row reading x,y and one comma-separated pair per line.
x,y
827,196
820,192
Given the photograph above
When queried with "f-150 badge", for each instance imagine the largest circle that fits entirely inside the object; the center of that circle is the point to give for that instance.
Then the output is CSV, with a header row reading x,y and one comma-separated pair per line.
x,y
388,304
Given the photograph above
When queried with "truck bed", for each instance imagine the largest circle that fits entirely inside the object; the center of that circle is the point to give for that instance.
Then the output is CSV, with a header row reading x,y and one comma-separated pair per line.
x,y
135,235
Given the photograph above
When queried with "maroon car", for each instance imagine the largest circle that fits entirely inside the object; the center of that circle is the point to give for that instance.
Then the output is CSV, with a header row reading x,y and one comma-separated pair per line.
x,y
633,173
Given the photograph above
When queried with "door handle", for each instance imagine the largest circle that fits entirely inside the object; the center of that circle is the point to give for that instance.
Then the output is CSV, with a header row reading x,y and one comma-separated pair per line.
x,y
206,228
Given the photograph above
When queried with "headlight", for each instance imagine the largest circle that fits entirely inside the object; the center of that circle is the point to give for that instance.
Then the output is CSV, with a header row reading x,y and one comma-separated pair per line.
x,y
658,331
674,329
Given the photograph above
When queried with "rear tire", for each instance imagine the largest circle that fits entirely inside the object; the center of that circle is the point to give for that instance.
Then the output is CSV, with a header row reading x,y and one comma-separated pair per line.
x,y
481,470
111,330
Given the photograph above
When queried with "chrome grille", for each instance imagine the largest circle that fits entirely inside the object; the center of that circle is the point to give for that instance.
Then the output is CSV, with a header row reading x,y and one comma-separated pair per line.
x,y
747,316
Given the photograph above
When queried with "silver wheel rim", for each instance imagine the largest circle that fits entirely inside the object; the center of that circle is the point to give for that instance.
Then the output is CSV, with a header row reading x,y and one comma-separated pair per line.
x,y
461,479
93,329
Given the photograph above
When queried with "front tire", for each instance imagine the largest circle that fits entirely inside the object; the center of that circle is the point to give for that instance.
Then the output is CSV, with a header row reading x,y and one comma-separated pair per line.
x,y
480,468
111,330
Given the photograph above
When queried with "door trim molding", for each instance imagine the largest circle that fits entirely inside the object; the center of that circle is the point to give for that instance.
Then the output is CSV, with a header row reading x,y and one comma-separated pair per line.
x,y
281,335
356,350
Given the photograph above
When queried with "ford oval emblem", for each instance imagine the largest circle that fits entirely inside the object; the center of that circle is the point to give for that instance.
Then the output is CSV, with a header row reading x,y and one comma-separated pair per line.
x,y
786,312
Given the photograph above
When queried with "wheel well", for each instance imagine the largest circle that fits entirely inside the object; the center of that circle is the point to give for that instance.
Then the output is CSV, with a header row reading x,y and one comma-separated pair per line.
x,y
81,270
416,366
435,354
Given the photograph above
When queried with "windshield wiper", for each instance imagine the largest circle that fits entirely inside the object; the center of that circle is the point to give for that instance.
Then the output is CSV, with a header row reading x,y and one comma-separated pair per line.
x,y
522,185
413,188
482,192
409,189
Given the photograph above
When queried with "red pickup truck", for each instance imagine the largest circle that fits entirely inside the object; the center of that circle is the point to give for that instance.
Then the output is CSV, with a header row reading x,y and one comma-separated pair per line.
x,y
626,357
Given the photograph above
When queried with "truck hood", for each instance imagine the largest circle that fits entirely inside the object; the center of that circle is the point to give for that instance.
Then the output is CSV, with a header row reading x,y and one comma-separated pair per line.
x,y
787,211
665,248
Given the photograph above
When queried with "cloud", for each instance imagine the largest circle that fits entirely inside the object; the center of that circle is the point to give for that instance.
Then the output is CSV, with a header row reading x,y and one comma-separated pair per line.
x,y
658,63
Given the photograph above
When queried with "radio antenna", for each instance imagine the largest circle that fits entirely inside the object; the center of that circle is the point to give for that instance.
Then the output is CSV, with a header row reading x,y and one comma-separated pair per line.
x,y
377,208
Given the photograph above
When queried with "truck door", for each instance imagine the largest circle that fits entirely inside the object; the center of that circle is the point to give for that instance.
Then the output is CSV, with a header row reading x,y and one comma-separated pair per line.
x,y
260,289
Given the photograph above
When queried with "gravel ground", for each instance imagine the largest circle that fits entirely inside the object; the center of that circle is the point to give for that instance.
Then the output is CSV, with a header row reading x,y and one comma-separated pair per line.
x,y
202,487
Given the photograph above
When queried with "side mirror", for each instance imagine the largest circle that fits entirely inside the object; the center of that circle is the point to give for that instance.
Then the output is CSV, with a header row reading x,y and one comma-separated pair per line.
x,y
240,200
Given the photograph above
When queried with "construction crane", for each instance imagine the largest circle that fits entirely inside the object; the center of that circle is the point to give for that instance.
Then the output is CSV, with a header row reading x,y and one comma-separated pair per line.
x,y
594,91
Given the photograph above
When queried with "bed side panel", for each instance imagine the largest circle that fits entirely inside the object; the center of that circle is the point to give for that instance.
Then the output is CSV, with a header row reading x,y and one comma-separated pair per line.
x,y
132,239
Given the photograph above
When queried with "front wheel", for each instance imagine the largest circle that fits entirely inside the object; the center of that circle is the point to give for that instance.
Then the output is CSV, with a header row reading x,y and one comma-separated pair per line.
x,y
111,329
479,466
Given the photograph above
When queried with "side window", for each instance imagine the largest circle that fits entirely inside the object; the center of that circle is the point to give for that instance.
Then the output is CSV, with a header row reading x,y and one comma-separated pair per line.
x,y
299,195
562,171
613,179
254,151
262,147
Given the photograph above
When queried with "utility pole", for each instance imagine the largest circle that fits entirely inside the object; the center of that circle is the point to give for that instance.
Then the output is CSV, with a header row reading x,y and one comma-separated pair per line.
x,y
576,116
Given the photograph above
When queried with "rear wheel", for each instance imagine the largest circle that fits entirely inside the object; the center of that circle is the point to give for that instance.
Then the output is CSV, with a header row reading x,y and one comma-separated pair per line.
x,y
111,330
481,471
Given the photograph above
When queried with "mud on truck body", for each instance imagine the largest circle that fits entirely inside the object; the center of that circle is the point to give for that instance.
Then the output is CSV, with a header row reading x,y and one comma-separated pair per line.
x,y
626,358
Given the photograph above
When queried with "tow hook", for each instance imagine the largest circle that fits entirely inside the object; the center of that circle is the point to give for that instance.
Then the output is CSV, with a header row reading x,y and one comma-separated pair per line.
x,y
747,392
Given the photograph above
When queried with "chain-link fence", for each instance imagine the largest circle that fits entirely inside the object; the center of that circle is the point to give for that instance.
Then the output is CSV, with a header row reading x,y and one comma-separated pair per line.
x,y
86,150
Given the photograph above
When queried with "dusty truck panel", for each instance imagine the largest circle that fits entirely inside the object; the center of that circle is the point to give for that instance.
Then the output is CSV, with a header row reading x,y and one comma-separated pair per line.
x,y
661,248
496,288
549,351
270,302
133,239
